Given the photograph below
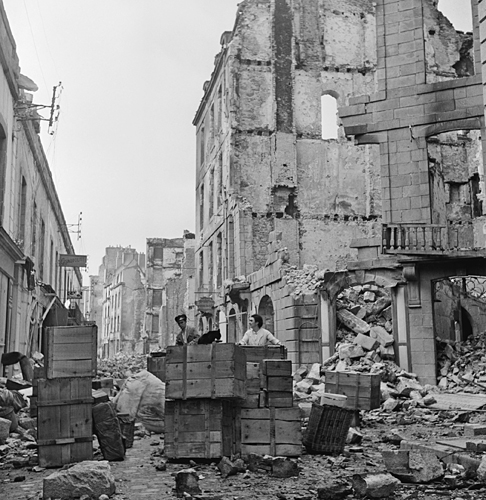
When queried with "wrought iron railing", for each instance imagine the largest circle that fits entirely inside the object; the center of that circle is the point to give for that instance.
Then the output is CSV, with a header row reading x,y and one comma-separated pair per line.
x,y
427,238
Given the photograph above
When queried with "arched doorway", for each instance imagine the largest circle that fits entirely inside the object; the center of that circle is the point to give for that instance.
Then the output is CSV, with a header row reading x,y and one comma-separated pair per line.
x,y
265,310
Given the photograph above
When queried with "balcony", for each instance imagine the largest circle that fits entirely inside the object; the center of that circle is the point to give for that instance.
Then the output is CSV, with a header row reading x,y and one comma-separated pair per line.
x,y
428,239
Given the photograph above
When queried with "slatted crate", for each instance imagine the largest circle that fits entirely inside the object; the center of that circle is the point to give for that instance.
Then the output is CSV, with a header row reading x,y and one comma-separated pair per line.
x,y
201,428
156,364
271,431
70,351
205,371
362,389
64,421
256,354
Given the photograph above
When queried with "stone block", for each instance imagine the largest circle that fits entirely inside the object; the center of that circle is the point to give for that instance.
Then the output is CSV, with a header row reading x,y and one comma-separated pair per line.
x,y
366,342
187,483
406,385
4,430
351,351
381,335
284,467
227,467
375,485
471,430
413,466
91,478
334,491
352,322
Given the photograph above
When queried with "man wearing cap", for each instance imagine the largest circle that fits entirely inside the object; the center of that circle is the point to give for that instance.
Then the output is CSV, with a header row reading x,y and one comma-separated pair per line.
x,y
188,334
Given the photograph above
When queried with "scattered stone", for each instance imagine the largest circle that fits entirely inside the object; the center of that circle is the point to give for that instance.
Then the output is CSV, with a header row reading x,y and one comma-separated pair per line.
x,y
375,485
187,483
4,430
334,491
413,466
366,342
227,467
352,322
284,467
354,436
92,478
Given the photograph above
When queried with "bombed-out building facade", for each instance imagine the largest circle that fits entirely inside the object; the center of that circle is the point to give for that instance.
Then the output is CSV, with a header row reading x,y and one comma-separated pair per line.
x,y
291,223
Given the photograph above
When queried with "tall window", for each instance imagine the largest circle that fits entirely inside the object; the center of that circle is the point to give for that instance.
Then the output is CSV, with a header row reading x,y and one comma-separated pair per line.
x,y
22,210
231,248
42,249
201,208
329,117
51,266
157,298
202,148
219,182
219,260
211,265
211,193
33,240
3,170
201,269
220,108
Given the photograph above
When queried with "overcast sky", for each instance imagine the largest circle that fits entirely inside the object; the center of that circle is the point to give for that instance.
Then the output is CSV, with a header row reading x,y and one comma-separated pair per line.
x,y
132,73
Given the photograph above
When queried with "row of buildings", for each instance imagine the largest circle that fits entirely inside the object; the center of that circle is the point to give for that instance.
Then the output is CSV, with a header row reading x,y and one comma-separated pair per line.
x,y
395,200
37,276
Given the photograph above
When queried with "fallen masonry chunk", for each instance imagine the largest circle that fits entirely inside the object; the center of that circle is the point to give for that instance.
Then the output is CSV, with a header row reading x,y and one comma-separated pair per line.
x,y
187,482
413,466
474,430
381,304
406,385
381,335
92,478
4,430
284,467
375,485
335,491
354,436
352,322
366,342
227,467
351,351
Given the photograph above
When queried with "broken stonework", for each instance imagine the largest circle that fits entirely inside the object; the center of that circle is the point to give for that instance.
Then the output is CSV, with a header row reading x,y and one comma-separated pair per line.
x,y
351,351
227,467
91,478
334,491
406,385
352,322
4,430
375,485
187,483
381,335
366,342
284,467
413,466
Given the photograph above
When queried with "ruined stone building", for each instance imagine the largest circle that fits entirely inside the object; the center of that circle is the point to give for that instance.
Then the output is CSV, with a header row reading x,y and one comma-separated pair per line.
x,y
33,230
169,273
121,283
394,199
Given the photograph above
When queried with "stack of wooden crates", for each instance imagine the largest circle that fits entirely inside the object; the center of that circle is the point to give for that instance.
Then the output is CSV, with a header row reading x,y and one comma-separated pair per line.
x,y
225,399
63,395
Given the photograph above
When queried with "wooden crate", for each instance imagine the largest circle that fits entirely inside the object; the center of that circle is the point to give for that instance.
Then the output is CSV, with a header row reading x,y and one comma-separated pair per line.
x,y
201,428
362,389
277,399
271,431
256,354
64,421
156,364
205,371
70,351
277,367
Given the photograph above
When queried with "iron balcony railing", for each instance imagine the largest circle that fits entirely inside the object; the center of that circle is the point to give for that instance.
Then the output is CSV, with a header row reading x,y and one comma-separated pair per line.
x,y
428,238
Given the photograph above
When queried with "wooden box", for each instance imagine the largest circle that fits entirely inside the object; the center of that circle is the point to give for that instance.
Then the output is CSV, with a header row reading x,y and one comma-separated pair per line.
x,y
362,389
201,428
256,354
64,421
156,364
205,371
277,367
278,399
271,431
70,351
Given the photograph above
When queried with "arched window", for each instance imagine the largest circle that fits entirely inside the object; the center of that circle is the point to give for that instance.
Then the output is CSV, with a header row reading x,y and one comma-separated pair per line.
x,y
329,127
265,310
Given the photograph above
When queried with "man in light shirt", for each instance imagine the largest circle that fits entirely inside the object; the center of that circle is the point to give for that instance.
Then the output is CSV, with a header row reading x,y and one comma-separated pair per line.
x,y
257,335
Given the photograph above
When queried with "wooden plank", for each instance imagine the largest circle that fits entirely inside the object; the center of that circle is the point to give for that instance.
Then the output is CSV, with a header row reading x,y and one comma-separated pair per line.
x,y
276,367
201,370
458,401
259,353
282,450
282,383
65,369
72,352
220,388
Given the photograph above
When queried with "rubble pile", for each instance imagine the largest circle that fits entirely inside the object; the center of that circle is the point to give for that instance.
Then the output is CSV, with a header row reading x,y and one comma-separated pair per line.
x,y
462,365
304,281
121,366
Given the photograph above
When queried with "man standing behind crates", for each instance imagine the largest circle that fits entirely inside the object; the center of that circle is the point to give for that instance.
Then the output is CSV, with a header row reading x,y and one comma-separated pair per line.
x,y
188,334
257,335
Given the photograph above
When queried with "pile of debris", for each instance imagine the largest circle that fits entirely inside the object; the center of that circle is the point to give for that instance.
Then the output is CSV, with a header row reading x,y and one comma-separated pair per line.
x,y
304,281
121,366
462,365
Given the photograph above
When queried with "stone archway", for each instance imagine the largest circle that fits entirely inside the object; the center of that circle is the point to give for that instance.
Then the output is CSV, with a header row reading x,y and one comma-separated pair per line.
x,y
266,311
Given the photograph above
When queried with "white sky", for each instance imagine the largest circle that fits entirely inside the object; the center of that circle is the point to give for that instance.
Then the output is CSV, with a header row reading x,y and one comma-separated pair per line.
x,y
132,73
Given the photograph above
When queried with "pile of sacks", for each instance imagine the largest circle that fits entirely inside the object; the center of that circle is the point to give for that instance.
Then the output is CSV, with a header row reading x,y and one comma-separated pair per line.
x,y
462,365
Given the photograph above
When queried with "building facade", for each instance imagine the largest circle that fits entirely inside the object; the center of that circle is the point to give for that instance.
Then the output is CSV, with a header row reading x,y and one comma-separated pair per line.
x,y
33,231
394,199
